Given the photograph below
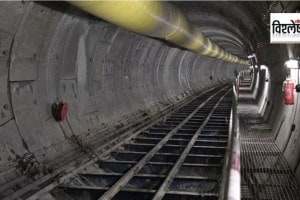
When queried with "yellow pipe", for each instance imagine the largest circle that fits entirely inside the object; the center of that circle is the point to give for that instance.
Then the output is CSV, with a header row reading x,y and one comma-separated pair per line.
x,y
157,19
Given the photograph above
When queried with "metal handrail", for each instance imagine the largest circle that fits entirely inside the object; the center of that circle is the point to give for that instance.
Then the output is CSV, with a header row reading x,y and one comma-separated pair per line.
x,y
231,176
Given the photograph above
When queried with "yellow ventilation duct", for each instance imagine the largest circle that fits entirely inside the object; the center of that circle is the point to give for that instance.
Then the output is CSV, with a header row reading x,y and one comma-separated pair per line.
x,y
160,20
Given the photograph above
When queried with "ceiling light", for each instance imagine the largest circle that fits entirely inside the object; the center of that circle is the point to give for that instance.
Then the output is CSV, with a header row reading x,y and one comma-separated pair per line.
x,y
263,67
251,56
292,64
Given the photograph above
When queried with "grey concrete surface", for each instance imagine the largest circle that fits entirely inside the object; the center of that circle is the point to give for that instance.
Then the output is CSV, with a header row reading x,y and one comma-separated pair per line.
x,y
110,77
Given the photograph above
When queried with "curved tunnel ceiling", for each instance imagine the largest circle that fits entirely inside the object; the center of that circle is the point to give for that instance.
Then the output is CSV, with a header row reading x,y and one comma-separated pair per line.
x,y
159,20
110,77
237,21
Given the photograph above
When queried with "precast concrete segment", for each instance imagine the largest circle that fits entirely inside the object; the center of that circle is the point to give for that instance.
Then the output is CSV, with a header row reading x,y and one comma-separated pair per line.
x,y
110,77
105,150
157,19
201,167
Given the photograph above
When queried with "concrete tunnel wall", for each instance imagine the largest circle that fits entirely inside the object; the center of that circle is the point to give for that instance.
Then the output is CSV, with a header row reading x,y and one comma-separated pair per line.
x,y
282,117
279,116
107,75
110,77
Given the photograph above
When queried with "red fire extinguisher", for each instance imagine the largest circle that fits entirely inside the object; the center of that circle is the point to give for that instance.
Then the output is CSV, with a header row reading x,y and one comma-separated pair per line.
x,y
289,86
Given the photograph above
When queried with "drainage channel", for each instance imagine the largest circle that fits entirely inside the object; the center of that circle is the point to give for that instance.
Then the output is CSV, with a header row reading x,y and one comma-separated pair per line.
x,y
180,157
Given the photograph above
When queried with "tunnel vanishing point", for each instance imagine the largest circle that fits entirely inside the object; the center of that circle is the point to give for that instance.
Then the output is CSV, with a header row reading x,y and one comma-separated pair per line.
x,y
148,100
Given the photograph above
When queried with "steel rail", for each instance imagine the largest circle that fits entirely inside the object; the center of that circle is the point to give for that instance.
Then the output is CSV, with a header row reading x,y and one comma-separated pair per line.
x,y
162,190
105,150
115,188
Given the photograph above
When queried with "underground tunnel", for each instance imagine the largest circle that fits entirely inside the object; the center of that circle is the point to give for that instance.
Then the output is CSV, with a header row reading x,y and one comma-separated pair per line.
x,y
148,100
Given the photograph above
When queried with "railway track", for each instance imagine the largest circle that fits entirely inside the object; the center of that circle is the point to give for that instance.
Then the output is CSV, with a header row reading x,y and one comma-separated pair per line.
x,y
180,157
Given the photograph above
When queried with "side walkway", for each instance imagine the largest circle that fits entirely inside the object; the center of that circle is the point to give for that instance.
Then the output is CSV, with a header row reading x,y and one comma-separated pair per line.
x,y
264,170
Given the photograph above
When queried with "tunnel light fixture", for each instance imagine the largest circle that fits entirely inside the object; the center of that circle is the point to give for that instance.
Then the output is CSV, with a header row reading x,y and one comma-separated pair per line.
x,y
253,67
251,55
292,64
263,67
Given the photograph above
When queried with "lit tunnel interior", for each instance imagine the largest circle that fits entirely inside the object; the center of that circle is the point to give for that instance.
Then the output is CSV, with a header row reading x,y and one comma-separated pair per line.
x,y
114,80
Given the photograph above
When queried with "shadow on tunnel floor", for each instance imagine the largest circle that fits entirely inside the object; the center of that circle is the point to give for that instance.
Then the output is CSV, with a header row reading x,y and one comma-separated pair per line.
x,y
245,100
